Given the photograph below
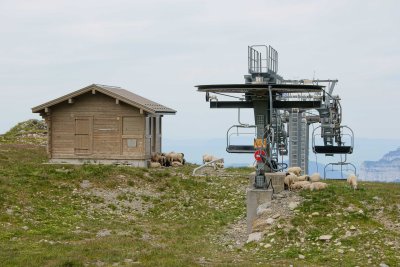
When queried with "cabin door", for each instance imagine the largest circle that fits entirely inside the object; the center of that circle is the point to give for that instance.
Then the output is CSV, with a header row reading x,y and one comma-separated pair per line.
x,y
83,135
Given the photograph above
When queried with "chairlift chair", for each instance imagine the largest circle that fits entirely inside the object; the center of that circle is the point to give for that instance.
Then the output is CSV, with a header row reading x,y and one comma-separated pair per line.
x,y
330,148
233,148
341,164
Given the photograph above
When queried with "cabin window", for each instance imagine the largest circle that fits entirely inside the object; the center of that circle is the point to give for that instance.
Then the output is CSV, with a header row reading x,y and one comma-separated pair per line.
x,y
131,143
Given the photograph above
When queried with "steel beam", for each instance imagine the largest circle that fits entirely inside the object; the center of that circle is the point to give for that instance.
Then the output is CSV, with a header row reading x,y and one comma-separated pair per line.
x,y
231,104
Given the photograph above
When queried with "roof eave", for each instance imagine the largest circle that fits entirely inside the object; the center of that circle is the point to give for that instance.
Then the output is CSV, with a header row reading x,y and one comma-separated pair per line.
x,y
166,112
59,100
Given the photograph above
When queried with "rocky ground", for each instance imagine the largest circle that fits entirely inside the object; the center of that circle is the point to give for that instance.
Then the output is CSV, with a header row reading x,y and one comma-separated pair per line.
x,y
32,132
281,207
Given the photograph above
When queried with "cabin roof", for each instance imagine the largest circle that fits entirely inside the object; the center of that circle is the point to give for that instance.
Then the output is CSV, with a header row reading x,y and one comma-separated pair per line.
x,y
114,92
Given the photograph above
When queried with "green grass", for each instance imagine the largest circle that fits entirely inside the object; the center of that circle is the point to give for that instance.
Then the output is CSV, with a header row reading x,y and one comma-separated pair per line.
x,y
169,218
27,132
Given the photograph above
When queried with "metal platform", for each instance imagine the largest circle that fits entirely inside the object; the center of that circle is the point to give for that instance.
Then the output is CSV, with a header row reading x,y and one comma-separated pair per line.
x,y
259,88
275,104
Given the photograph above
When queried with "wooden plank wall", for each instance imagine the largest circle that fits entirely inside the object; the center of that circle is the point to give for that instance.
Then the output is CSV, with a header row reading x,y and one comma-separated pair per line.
x,y
111,138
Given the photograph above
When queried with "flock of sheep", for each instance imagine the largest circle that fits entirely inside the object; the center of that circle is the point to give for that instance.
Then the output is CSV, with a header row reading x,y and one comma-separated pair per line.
x,y
295,181
167,159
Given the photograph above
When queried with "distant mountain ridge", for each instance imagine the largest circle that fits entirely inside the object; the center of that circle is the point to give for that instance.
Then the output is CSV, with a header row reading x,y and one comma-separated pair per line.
x,y
387,169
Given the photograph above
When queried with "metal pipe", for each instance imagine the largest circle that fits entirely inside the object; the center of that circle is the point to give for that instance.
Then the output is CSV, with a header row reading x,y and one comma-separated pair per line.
x,y
270,104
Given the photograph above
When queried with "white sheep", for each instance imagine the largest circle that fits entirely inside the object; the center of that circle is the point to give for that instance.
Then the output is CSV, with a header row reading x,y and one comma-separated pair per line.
x,y
159,157
295,170
155,164
209,158
318,186
300,185
315,177
176,164
352,181
172,156
303,178
219,165
289,179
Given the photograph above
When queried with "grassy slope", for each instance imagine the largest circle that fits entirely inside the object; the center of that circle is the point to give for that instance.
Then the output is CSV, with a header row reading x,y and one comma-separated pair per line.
x,y
47,219
27,132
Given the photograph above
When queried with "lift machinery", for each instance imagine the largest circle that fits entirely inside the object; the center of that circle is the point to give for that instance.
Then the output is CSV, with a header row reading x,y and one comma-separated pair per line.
x,y
282,114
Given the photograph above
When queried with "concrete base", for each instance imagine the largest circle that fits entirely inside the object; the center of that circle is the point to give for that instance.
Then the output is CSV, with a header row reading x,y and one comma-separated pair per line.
x,y
254,198
276,177
132,163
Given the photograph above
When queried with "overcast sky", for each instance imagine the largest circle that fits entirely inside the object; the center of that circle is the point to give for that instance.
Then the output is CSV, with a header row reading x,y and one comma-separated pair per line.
x,y
162,49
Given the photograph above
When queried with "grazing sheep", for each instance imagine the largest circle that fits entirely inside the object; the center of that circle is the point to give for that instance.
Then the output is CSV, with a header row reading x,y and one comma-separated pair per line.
x,y
317,186
219,165
315,177
176,164
295,170
352,181
300,185
172,156
209,158
303,178
159,157
155,165
289,179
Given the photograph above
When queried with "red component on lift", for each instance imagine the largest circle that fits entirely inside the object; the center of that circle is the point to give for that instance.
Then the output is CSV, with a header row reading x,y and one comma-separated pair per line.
x,y
259,154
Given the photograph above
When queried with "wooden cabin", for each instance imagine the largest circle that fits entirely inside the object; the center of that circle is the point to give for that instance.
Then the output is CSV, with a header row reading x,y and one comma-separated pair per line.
x,y
103,124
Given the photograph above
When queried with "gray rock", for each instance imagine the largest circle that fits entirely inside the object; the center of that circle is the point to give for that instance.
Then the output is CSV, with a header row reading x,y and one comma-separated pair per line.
x,y
276,216
325,237
349,209
85,184
293,205
103,233
270,221
261,210
302,257
264,205
9,211
347,234
254,237
25,228
62,170
383,265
